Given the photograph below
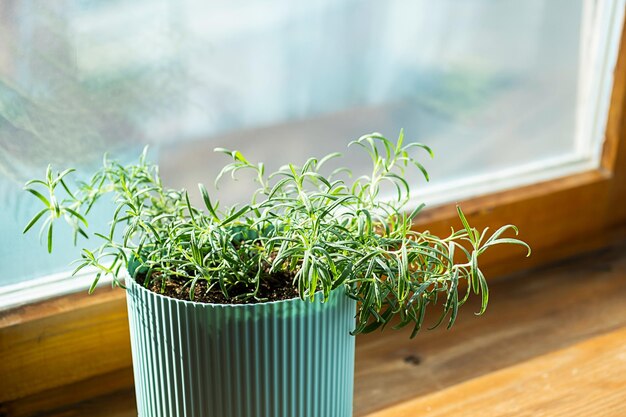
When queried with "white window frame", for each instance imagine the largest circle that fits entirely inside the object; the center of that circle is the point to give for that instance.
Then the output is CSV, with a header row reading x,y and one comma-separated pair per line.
x,y
600,37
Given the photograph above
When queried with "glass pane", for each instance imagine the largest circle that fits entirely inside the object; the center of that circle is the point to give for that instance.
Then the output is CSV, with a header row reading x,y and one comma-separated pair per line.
x,y
488,85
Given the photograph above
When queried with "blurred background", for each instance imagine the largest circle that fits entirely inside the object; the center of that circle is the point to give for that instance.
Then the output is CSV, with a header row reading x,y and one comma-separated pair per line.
x,y
496,88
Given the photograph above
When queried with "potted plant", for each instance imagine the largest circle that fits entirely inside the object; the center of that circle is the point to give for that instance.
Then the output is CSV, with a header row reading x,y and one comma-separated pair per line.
x,y
251,310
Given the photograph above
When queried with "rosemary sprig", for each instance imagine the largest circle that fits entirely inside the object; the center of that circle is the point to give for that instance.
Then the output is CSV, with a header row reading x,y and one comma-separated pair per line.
x,y
301,223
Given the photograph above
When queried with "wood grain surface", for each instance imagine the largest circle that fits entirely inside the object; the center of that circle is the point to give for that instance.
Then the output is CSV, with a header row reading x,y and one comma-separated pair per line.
x,y
44,344
587,379
529,315
559,326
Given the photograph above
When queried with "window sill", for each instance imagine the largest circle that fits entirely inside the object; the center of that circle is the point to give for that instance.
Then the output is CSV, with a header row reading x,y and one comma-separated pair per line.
x,y
553,333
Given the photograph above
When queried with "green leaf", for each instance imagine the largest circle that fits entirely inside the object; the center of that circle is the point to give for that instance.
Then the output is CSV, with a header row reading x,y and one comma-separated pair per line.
x,y
312,280
318,177
327,158
277,187
452,301
77,215
420,145
39,196
94,284
192,288
62,175
403,273
416,211
345,273
34,220
103,237
207,201
400,141
510,241
50,238
384,318
222,150
238,156
49,174
420,319
334,205
464,221
67,190
235,215
501,230
422,169
40,182
484,290
81,266
474,273
398,179
190,209
358,142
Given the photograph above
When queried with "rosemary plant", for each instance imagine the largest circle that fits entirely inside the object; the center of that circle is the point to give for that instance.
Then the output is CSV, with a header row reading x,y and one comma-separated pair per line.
x,y
303,228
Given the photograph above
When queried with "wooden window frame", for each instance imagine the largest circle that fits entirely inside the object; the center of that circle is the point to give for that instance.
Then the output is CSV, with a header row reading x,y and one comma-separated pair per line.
x,y
76,346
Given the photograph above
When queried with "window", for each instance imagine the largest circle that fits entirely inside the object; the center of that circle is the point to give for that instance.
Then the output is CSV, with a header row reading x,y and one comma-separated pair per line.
x,y
507,93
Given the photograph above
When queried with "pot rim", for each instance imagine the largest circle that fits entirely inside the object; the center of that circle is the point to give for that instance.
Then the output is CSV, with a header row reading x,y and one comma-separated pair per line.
x,y
135,284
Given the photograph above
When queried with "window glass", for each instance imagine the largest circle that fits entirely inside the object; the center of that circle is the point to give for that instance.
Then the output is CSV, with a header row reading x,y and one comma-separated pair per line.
x,y
489,85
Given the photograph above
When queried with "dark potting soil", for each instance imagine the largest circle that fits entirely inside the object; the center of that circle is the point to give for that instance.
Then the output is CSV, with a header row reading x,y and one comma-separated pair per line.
x,y
278,287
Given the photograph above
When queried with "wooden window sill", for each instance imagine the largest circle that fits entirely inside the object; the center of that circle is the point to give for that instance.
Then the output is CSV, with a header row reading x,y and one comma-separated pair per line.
x,y
553,341
584,379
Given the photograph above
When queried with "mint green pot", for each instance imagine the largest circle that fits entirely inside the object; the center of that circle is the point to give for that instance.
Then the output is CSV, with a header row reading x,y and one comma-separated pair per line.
x,y
287,358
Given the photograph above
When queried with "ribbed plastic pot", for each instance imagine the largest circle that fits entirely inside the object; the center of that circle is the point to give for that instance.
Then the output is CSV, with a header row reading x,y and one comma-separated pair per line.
x,y
287,358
